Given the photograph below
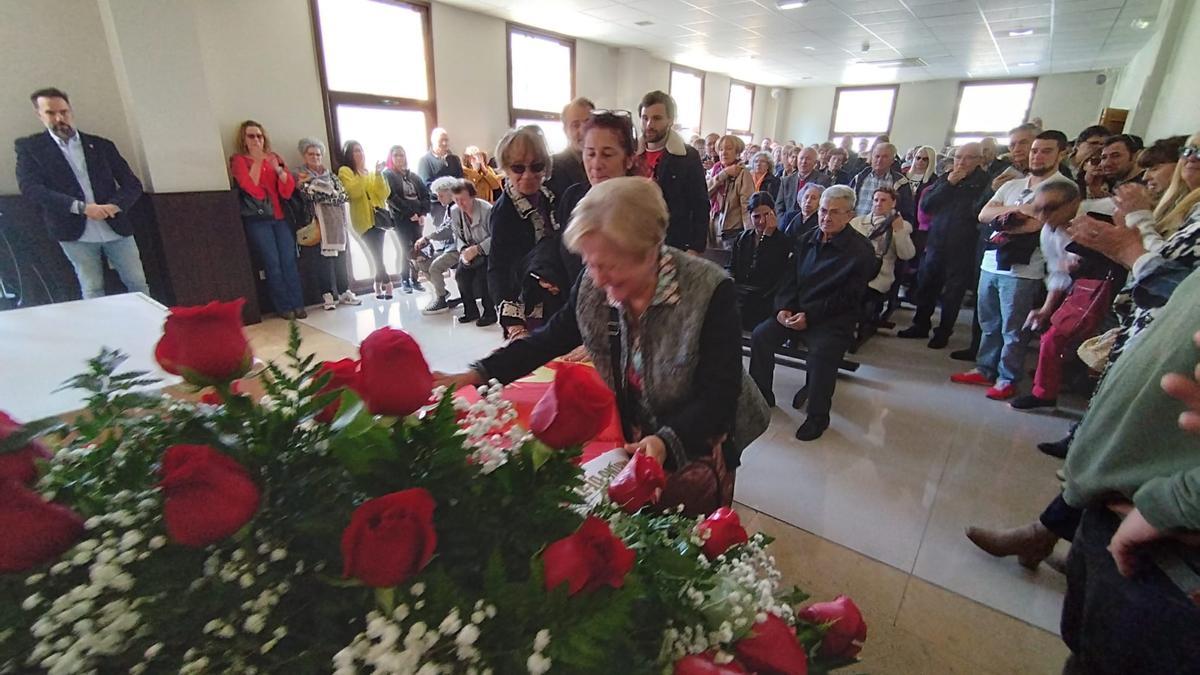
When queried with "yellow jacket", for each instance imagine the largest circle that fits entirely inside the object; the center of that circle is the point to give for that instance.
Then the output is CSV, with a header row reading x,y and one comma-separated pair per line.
x,y
486,182
366,193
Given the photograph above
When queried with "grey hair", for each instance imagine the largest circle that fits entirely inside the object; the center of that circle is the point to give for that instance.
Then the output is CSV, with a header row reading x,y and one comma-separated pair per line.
x,y
444,184
763,155
839,192
309,142
1067,190
810,187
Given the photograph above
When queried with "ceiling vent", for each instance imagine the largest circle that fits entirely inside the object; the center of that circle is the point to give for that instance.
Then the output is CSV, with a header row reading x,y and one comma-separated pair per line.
x,y
643,23
914,62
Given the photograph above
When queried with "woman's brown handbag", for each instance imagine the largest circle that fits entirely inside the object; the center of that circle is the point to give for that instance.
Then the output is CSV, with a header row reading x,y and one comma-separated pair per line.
x,y
701,486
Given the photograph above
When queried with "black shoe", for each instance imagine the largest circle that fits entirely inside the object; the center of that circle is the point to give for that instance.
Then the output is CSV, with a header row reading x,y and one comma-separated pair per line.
x,y
963,355
454,302
287,316
406,287
812,429
486,320
467,319
416,286
1029,402
913,332
939,340
301,313
436,306
1056,448
800,398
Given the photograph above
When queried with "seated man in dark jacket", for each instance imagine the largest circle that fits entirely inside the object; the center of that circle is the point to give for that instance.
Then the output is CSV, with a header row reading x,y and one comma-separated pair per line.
x,y
758,262
948,265
818,303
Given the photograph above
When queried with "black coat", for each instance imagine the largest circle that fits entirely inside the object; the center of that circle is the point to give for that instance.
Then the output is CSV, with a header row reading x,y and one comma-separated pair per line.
x,y
513,239
566,170
757,267
46,179
954,212
827,280
684,188
404,209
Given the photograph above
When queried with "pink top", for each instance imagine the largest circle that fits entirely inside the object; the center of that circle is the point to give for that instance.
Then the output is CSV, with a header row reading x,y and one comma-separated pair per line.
x,y
269,182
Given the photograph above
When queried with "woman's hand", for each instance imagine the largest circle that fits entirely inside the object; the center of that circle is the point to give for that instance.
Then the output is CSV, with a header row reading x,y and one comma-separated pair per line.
x,y
651,446
455,381
470,253
732,171
517,332
380,166
1187,390
578,355
1121,244
1132,197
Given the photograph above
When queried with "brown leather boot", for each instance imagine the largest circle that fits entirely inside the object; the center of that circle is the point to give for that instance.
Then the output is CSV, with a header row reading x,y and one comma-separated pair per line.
x,y
1031,543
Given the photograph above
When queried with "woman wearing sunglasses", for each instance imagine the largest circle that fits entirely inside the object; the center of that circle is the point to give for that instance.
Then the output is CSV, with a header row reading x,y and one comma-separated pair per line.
x,y
522,218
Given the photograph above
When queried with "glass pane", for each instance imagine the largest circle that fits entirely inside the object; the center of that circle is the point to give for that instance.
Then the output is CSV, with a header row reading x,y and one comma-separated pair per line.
x,y
959,141
541,73
686,90
378,129
864,111
374,48
993,107
556,138
741,103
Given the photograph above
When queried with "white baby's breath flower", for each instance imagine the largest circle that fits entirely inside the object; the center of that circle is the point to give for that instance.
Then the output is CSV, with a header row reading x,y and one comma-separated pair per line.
x,y
537,664
541,640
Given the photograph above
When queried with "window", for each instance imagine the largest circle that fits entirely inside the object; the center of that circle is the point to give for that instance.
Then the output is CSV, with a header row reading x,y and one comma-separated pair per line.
x,y
990,109
863,112
741,110
541,81
687,88
367,97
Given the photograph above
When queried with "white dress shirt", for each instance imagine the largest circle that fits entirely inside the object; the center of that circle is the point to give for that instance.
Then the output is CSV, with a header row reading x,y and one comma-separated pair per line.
x,y
95,231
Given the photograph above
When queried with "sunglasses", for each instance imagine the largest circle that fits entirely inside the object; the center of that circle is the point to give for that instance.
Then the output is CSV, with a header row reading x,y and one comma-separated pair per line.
x,y
612,113
536,167
1189,151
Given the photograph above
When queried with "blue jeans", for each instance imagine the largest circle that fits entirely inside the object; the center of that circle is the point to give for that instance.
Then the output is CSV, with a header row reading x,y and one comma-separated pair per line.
x,y
1003,303
122,255
275,245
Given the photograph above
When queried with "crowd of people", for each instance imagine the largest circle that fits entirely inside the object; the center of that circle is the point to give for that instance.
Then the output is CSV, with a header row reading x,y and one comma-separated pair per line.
x,y
1090,244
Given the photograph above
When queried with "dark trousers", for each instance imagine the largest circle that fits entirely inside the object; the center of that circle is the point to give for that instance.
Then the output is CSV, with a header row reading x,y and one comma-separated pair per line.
x,y
1061,518
944,274
275,246
1119,625
473,284
409,232
754,306
373,238
334,273
826,345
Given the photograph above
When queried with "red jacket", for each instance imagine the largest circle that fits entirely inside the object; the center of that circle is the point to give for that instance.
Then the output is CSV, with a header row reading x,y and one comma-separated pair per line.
x,y
269,182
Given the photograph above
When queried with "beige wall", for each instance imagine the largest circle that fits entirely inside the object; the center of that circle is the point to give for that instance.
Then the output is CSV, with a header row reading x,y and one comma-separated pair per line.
x,y
470,70
1177,108
925,110
34,56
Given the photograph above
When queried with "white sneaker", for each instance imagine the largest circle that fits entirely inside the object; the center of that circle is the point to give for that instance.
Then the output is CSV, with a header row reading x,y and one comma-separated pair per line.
x,y
330,303
349,298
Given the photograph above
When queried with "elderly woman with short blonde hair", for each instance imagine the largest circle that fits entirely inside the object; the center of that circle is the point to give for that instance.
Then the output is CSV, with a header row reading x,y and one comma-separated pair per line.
x,y
675,361
522,219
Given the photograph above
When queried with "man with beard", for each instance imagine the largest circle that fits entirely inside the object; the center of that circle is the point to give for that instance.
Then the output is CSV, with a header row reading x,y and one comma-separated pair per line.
x,y
1011,276
566,168
675,166
84,188
1118,160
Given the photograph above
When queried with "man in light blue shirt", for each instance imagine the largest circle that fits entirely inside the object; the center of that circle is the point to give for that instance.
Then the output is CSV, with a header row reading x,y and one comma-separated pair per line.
x,y
84,188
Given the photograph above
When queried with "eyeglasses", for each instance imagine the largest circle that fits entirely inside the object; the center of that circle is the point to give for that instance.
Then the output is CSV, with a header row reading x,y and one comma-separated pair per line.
x,y
536,167
1189,151
612,113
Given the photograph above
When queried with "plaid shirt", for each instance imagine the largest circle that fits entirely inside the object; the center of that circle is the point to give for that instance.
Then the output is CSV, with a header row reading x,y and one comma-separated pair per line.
x,y
866,191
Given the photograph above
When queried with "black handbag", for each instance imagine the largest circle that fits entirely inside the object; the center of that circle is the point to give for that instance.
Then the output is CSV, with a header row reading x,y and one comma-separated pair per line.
x,y
253,208
383,219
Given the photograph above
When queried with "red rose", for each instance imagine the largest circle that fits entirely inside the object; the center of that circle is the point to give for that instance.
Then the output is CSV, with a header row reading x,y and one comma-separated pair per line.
x,y
19,464
703,664
590,558
394,378
721,531
574,409
772,649
35,531
213,398
205,345
638,484
389,538
847,631
207,495
345,376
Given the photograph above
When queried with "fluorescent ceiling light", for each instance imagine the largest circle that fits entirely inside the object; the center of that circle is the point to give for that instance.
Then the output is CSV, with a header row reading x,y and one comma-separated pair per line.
x,y
1020,33
1026,64
790,4
810,48
1140,24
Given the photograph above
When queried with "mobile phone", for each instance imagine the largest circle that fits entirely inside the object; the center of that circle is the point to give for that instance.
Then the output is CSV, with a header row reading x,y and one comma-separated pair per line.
x,y
1100,216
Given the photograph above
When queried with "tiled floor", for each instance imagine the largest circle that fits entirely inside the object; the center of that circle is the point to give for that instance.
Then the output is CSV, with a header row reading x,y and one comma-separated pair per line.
x,y
874,509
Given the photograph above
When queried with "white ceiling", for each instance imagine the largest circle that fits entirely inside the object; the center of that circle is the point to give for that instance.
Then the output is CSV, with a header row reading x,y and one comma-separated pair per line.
x,y
822,42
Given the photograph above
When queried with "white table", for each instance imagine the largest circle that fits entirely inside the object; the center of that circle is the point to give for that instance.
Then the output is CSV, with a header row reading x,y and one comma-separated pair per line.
x,y
41,347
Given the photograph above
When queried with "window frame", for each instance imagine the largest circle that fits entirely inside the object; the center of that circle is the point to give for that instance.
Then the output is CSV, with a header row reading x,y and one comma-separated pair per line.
x,y
962,87
331,99
524,113
703,82
753,92
837,101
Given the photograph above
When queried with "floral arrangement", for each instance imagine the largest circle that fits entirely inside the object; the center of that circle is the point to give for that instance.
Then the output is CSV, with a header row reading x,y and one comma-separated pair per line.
x,y
354,519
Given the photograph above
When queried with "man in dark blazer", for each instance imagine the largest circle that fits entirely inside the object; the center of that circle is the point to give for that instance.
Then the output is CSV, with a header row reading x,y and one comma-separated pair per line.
x,y
793,185
84,188
676,166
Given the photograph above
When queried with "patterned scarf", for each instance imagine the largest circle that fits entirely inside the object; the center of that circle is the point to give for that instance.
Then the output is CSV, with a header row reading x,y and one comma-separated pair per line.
x,y
527,211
